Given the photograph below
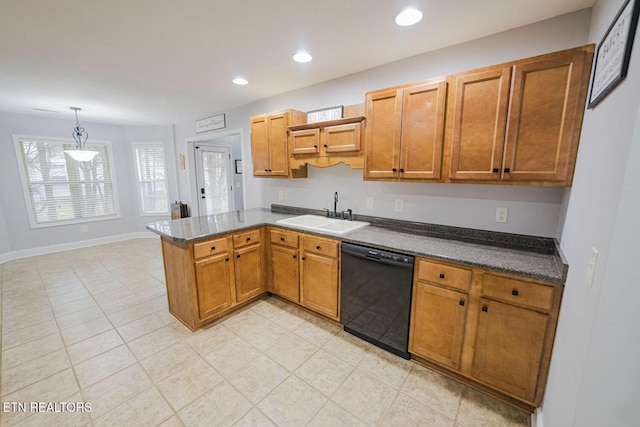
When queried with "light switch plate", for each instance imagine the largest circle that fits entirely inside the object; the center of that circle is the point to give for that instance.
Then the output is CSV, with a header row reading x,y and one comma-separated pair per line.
x,y
369,202
280,195
591,266
501,214
399,205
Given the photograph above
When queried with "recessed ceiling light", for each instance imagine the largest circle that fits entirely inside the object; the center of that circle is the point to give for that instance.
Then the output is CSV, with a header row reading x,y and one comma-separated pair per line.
x,y
240,81
408,17
302,57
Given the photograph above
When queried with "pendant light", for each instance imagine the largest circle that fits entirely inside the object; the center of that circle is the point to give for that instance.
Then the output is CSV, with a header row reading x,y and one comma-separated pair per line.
x,y
80,136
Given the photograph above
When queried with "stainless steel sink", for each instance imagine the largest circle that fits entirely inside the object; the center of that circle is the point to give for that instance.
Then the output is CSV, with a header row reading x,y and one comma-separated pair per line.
x,y
323,224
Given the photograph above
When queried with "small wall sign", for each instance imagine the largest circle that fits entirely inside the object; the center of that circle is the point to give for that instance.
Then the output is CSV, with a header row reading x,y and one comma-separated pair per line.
x,y
325,114
210,123
614,52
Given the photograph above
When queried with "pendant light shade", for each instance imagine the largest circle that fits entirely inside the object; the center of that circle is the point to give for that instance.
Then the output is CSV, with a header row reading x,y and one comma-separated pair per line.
x,y
80,136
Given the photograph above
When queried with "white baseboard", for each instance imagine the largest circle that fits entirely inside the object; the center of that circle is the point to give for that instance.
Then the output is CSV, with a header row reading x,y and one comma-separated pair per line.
x,y
43,250
536,418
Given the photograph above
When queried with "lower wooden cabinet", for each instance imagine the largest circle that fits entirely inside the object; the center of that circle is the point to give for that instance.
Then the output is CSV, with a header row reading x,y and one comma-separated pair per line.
x,y
439,320
319,288
214,284
305,270
208,278
492,330
248,258
508,347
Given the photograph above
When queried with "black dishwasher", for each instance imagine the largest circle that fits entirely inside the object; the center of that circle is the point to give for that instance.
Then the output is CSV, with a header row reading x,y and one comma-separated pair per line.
x,y
375,296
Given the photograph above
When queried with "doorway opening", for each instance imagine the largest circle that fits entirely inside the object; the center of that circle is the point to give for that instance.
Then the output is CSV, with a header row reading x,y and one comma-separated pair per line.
x,y
216,181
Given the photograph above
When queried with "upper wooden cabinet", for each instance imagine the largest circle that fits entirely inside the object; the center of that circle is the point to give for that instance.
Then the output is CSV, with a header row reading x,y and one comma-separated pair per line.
x,y
270,145
518,122
405,130
330,142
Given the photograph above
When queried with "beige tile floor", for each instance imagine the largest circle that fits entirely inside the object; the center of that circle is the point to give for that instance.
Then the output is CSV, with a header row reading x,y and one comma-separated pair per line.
x,y
92,326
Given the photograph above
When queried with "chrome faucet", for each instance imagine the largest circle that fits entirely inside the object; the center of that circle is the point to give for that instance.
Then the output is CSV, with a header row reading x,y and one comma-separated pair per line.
x,y
335,205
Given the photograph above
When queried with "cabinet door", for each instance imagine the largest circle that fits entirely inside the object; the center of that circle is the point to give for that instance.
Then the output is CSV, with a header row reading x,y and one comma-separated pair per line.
x,y
508,348
305,141
260,145
319,284
213,282
422,130
249,272
478,119
278,154
384,119
284,270
438,319
545,117
342,138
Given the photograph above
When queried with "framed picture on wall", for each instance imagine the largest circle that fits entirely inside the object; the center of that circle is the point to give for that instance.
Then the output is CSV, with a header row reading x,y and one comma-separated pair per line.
x,y
614,52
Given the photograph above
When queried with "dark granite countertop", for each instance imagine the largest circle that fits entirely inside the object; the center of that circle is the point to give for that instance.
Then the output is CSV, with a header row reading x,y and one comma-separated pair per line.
x,y
532,257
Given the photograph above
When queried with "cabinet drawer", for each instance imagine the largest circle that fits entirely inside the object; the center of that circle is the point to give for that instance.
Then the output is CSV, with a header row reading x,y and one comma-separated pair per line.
x,y
244,239
321,246
284,238
210,247
442,274
517,292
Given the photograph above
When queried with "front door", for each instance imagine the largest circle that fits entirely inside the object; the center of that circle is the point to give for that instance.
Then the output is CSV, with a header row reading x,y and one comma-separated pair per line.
x,y
213,179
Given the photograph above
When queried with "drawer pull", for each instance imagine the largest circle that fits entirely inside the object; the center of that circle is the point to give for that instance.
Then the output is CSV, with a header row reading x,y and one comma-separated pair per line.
x,y
318,247
238,256
461,302
485,308
394,170
282,239
213,248
315,146
248,239
442,275
326,146
515,292
303,258
227,259
507,170
496,170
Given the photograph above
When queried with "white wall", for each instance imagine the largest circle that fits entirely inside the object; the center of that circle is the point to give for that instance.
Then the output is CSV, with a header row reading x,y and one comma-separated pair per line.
x,y
534,211
593,379
17,234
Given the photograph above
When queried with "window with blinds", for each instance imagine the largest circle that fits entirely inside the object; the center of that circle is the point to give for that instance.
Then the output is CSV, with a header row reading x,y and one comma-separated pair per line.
x,y
59,190
152,178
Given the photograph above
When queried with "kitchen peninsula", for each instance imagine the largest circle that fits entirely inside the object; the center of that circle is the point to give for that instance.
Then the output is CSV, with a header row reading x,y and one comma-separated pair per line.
x,y
484,308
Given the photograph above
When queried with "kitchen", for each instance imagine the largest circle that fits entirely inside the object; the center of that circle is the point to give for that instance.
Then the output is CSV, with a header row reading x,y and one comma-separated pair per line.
x,y
595,212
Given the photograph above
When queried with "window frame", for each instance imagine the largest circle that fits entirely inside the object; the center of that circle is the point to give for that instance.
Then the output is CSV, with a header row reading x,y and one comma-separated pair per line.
x,y
139,195
25,185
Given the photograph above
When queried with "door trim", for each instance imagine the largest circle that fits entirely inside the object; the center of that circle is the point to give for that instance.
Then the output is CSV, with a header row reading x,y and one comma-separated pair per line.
x,y
190,163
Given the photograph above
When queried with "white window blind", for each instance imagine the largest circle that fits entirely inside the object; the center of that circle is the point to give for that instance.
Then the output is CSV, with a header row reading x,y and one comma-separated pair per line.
x,y
152,178
59,190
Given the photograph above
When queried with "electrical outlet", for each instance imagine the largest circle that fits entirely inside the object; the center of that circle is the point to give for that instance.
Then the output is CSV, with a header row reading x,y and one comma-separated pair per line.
x,y
280,195
286,195
399,205
85,228
369,202
591,266
501,214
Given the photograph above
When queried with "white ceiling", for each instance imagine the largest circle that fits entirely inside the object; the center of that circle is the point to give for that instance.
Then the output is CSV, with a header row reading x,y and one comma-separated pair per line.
x,y
167,61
